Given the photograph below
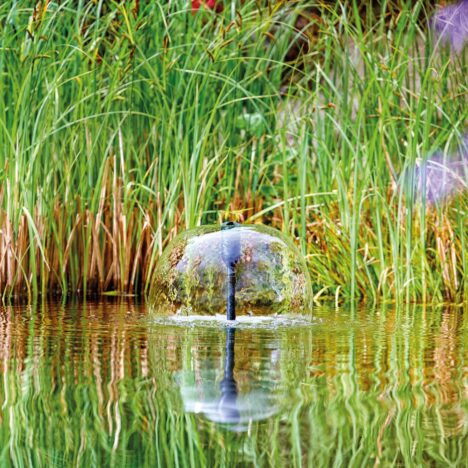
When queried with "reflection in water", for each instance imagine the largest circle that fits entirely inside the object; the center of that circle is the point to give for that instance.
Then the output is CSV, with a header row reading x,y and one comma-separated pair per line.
x,y
227,406
93,385
228,410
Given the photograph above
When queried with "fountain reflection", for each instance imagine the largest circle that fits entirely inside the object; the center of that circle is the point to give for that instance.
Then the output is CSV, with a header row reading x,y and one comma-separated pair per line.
x,y
85,381
221,401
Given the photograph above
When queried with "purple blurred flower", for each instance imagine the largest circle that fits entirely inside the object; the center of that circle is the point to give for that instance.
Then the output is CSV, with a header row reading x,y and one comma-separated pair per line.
x,y
451,24
443,176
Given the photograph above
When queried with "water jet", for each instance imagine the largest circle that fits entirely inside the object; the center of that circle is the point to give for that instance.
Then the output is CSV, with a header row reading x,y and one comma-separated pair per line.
x,y
231,269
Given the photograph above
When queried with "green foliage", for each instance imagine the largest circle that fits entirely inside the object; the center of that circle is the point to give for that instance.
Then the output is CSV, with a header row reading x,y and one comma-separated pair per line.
x,y
121,124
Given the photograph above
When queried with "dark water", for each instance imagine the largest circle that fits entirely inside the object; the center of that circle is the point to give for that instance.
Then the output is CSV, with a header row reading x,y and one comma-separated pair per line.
x,y
101,384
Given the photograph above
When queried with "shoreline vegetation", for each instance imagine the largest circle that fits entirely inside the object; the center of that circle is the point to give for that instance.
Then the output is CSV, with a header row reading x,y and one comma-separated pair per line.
x,y
123,124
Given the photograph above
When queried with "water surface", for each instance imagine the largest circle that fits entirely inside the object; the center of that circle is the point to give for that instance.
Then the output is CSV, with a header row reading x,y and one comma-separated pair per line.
x,y
101,383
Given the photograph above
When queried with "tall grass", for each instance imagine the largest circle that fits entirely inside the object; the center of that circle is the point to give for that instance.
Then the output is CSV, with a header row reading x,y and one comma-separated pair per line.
x,y
123,123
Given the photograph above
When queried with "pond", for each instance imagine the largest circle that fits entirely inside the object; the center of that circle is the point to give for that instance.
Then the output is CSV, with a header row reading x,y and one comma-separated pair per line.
x,y
104,384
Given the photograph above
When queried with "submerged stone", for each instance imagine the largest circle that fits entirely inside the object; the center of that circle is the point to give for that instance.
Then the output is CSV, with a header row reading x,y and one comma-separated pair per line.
x,y
193,274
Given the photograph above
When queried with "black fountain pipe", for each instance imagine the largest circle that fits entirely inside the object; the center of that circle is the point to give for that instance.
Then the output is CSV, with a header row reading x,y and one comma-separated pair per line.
x,y
231,294
231,253
228,386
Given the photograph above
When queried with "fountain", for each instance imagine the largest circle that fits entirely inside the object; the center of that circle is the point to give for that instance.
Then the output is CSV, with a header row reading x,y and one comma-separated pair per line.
x,y
248,277
232,269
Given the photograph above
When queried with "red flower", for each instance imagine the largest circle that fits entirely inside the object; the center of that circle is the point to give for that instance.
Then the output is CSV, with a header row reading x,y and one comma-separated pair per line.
x,y
196,4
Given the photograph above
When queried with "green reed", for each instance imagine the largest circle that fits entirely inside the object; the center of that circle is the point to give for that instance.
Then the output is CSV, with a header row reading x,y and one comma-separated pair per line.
x,y
121,124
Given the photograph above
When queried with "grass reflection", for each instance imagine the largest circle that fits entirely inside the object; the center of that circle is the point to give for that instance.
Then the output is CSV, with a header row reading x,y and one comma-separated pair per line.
x,y
94,384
